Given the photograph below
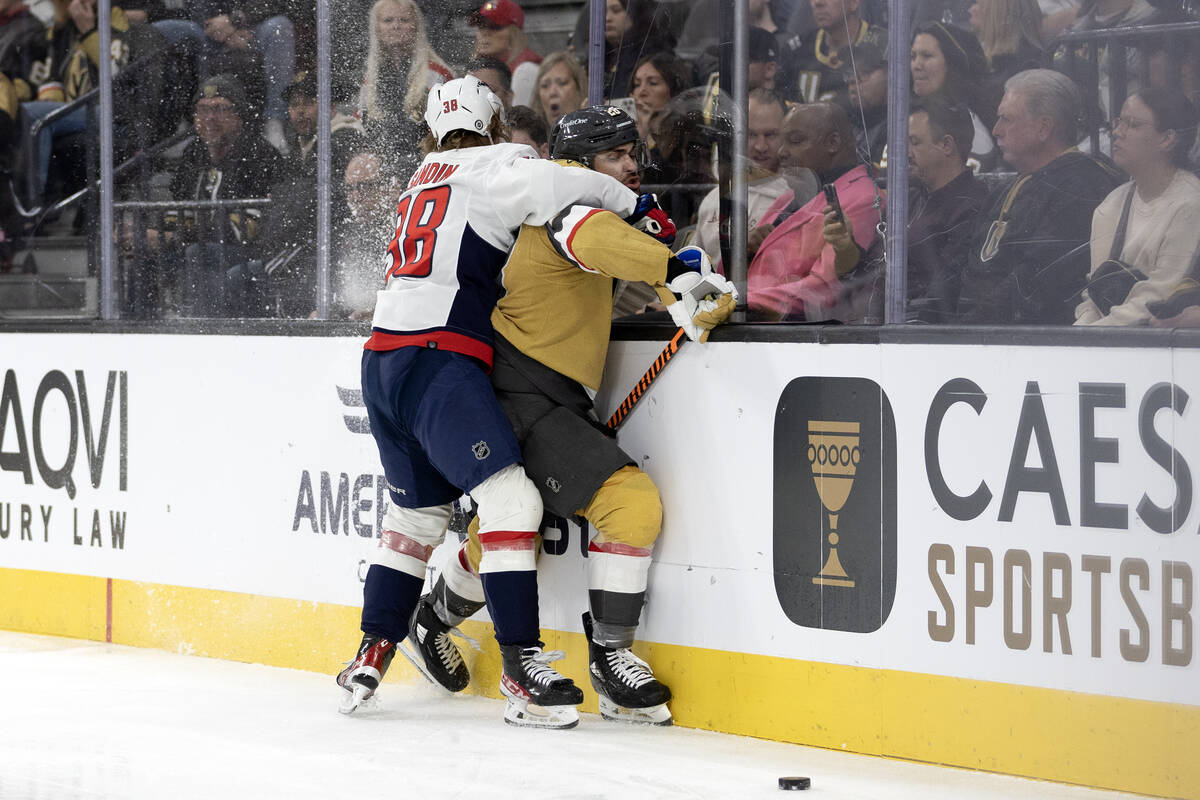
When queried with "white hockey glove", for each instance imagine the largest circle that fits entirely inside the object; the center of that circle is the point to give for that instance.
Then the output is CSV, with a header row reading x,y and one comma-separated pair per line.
x,y
704,299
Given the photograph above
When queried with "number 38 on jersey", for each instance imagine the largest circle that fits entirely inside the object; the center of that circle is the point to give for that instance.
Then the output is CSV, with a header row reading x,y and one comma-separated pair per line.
x,y
410,255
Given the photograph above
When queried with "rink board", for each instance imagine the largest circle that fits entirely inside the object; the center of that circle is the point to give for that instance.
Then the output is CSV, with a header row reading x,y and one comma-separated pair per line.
x,y
1017,539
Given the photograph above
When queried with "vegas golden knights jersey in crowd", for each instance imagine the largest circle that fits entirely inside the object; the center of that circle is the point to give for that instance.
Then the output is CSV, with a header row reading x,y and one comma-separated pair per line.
x,y
67,65
810,70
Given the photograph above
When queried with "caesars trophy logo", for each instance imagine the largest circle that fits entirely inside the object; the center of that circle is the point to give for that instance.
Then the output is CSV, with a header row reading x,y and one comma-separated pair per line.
x,y
835,504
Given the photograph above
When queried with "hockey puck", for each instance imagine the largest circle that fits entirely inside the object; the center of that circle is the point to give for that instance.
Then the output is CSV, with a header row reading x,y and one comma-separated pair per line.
x,y
794,783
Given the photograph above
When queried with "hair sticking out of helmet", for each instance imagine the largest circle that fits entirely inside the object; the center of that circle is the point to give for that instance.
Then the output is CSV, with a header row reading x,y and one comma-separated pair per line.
x,y
584,133
462,104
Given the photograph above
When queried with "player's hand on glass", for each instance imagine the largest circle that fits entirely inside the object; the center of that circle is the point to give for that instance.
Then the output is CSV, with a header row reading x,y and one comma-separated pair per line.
x,y
704,299
649,217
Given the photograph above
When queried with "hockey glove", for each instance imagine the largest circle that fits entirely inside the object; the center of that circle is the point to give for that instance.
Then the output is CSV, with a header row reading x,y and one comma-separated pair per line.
x,y
704,299
648,217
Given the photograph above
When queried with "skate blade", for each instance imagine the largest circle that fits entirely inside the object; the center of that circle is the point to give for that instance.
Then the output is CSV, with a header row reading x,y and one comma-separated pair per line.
x,y
528,715
652,715
407,650
359,696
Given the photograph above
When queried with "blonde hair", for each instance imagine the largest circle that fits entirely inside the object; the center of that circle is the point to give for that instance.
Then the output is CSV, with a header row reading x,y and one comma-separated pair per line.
x,y
550,62
517,41
1004,23
421,55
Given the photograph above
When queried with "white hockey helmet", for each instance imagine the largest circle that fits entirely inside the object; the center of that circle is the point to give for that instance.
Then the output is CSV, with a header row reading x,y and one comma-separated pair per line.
x,y
462,104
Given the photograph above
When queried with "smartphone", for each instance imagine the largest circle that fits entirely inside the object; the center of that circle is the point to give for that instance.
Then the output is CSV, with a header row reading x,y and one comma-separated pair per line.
x,y
831,199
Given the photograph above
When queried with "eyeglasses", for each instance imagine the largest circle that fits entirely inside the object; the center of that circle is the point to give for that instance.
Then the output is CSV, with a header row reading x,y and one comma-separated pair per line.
x,y
1129,123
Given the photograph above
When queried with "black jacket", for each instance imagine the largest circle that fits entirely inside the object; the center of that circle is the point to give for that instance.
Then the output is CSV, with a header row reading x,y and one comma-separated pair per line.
x,y
1041,261
939,238
246,173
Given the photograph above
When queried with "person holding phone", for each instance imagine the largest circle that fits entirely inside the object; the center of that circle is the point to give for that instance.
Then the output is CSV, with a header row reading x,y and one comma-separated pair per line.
x,y
795,274
944,202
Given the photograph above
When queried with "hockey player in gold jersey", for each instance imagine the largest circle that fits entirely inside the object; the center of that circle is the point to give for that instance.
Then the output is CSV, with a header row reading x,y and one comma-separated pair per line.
x,y
552,334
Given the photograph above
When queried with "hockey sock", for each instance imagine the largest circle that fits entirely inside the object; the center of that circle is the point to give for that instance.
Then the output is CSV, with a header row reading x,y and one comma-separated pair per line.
x,y
389,597
451,607
512,601
616,590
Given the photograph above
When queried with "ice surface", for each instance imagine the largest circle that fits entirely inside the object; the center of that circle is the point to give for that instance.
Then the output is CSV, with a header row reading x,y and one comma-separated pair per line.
x,y
88,720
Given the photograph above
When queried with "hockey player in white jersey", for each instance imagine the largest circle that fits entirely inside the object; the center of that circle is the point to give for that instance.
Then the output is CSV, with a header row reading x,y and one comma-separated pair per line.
x,y
552,335
434,416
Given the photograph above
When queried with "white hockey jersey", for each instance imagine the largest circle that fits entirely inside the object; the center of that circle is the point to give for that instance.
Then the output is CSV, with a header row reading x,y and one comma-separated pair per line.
x,y
455,225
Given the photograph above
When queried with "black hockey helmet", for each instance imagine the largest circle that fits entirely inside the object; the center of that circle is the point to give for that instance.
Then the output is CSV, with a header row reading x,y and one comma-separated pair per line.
x,y
582,134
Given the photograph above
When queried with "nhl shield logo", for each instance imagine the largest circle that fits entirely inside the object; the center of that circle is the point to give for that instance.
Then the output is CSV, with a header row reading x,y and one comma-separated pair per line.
x,y
553,485
481,450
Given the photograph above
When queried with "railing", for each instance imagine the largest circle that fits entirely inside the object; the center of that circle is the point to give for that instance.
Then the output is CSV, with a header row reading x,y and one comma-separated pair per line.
x,y
1117,41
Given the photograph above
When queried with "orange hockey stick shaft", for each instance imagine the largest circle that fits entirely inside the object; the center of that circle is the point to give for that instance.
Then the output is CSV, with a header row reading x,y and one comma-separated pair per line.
x,y
634,396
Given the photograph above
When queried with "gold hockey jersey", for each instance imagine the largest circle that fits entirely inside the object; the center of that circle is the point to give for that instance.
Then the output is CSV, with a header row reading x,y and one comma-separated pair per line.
x,y
558,288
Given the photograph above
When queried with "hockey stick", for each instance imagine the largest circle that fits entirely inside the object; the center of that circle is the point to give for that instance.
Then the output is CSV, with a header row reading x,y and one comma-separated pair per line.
x,y
634,396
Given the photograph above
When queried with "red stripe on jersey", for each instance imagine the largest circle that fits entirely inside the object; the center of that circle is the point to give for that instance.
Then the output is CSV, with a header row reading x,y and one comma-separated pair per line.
x,y
571,238
434,340
405,545
495,537
617,548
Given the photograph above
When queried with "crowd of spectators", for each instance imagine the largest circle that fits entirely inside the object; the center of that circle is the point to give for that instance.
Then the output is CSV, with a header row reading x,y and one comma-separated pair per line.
x,y
1016,216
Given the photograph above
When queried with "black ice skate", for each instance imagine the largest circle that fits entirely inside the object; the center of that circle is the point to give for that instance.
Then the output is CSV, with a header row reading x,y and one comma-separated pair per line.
x,y
362,677
538,695
437,656
627,689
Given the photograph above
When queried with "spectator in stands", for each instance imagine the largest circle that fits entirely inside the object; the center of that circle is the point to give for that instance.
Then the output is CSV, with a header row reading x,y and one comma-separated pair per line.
x,y
526,127
1105,15
766,185
67,67
681,156
656,79
865,72
252,39
793,274
495,75
284,269
500,35
21,38
810,68
225,161
1010,32
761,68
703,25
372,184
561,87
944,202
1057,16
401,68
1029,252
949,61
9,222
632,29
1145,234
